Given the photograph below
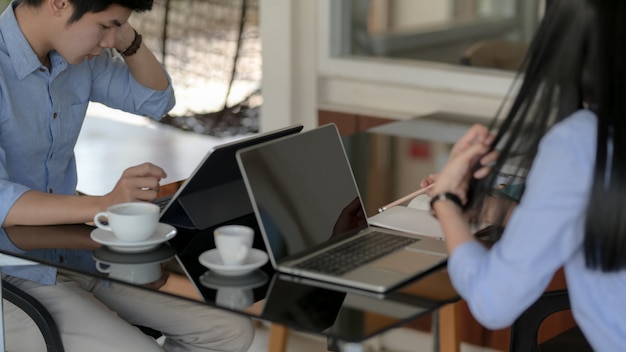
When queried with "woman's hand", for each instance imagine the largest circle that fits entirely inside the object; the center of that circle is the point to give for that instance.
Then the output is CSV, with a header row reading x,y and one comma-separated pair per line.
x,y
476,134
429,180
471,149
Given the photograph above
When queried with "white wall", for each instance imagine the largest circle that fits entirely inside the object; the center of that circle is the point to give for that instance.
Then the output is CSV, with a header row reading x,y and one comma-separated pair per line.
x,y
288,39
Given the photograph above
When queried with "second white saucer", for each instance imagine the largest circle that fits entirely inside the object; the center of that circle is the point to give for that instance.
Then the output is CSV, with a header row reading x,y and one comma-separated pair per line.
x,y
162,233
248,281
212,260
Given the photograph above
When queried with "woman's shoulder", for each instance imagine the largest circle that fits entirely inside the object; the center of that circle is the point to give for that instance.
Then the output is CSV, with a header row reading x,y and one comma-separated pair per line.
x,y
573,137
581,124
580,118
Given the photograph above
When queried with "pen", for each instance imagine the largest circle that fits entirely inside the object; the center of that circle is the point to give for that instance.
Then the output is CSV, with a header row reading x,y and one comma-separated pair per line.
x,y
405,198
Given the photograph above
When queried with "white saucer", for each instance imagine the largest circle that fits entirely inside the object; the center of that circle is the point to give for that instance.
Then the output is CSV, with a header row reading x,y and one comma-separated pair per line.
x,y
248,281
211,259
162,233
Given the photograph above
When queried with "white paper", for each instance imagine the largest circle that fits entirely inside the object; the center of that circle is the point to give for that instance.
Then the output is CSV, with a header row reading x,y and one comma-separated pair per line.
x,y
411,220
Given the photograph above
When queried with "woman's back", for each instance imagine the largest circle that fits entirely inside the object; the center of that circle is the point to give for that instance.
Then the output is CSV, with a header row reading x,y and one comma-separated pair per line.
x,y
572,213
544,233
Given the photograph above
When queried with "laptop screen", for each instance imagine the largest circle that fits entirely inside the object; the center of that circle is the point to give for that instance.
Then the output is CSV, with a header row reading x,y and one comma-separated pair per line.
x,y
303,191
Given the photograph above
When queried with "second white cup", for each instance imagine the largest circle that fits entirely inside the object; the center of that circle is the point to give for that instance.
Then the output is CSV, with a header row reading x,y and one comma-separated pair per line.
x,y
233,243
130,222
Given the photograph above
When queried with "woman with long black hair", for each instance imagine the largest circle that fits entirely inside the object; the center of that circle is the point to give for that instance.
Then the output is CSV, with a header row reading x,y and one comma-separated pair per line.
x,y
567,126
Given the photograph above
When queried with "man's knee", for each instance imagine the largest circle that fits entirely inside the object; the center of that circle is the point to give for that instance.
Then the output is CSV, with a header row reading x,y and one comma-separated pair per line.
x,y
221,331
241,334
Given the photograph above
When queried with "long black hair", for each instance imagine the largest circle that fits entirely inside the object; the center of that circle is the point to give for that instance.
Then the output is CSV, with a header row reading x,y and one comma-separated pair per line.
x,y
577,59
605,237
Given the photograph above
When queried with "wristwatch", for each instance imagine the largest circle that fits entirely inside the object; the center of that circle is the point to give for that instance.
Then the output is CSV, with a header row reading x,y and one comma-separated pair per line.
x,y
134,46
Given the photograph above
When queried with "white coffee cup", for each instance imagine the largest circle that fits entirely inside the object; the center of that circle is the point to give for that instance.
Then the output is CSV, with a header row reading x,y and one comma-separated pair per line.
x,y
233,243
132,273
130,222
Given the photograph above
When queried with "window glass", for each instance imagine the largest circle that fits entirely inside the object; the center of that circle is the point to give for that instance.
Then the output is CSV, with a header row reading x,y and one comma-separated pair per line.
x,y
481,33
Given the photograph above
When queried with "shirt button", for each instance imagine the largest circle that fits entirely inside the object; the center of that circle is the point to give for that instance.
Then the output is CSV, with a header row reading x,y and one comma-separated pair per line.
x,y
41,69
54,115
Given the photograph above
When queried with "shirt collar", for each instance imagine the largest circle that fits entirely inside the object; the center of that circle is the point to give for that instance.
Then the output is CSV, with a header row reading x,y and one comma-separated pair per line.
x,y
22,56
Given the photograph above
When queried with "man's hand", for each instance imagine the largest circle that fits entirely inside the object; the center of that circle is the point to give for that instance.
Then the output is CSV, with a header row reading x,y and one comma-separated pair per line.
x,y
124,37
138,183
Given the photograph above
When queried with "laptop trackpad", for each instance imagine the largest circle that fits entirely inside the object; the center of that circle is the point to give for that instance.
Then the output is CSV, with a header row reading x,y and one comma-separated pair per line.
x,y
408,262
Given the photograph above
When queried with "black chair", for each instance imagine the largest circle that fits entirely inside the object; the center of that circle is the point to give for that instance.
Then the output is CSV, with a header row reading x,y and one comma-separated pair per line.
x,y
40,315
37,312
525,330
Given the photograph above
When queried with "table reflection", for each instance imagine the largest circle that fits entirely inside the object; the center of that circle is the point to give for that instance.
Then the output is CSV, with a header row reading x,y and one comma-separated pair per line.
x,y
72,247
234,291
309,305
137,268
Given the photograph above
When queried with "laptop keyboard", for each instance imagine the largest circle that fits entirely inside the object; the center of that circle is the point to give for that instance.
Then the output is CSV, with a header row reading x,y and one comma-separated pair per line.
x,y
353,254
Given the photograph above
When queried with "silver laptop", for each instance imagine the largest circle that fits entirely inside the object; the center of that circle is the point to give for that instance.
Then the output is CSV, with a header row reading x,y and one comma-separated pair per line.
x,y
312,219
214,192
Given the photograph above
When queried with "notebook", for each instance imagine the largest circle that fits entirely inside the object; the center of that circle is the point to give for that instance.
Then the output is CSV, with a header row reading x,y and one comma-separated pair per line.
x,y
203,199
308,206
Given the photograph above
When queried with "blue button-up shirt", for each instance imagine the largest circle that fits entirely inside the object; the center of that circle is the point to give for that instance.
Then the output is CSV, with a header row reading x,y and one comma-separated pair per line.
x,y
546,232
41,114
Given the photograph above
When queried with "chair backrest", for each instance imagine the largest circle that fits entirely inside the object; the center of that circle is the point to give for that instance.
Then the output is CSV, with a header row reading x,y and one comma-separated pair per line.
x,y
37,312
525,330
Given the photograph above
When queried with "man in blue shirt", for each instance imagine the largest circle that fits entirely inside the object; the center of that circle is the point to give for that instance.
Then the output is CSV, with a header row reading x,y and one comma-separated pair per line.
x,y
55,57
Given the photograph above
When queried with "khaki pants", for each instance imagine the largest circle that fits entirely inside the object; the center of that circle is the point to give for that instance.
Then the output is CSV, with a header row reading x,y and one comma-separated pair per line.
x,y
96,318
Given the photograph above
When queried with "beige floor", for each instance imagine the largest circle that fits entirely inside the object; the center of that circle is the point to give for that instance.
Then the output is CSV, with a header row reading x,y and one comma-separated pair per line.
x,y
297,342
397,340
